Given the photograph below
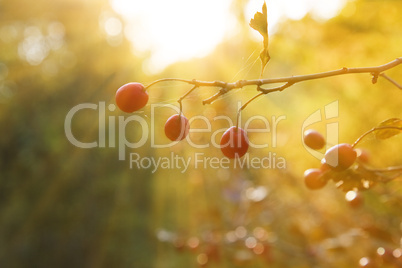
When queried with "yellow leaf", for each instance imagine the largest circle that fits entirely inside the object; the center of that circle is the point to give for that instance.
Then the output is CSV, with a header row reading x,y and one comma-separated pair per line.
x,y
260,24
390,128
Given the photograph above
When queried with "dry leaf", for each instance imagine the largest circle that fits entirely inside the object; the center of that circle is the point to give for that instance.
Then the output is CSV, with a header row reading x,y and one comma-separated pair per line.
x,y
260,24
383,134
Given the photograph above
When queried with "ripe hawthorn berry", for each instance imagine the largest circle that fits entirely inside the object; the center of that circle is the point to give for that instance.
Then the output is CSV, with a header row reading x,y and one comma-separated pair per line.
x,y
131,97
177,127
325,167
313,179
363,155
314,139
234,142
340,157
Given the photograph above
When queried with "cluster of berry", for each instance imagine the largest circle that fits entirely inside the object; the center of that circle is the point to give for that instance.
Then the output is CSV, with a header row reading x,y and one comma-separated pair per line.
x,y
338,158
133,96
347,165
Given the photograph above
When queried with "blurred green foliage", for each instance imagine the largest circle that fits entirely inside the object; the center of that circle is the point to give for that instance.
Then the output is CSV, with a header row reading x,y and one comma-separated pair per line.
x,y
62,206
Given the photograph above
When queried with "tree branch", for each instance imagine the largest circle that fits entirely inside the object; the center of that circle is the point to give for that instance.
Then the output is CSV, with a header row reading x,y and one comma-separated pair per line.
x,y
225,87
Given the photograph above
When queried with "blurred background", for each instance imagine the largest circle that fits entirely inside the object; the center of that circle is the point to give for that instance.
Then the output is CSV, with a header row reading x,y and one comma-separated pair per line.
x,y
64,206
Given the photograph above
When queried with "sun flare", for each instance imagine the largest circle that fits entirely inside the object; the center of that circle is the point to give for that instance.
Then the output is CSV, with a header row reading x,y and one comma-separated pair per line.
x,y
174,30
177,30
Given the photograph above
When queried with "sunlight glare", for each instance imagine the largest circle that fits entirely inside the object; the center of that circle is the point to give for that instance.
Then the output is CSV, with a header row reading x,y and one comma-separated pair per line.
x,y
174,30
113,26
295,9
177,30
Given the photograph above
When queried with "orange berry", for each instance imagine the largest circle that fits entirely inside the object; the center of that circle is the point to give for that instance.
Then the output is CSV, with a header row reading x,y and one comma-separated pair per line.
x,y
325,167
363,155
340,157
177,127
314,139
234,142
313,179
131,97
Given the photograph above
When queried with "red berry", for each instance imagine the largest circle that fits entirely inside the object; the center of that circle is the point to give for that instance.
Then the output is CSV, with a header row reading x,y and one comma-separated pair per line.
x,y
131,97
363,155
313,179
313,139
325,167
234,142
177,127
340,157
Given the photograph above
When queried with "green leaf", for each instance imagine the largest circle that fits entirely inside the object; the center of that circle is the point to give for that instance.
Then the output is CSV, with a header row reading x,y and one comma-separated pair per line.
x,y
260,24
391,131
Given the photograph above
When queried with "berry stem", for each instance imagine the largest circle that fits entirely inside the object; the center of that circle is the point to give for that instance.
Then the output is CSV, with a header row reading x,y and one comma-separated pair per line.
x,y
372,130
391,80
244,106
181,108
184,96
387,169
396,172
188,93
167,80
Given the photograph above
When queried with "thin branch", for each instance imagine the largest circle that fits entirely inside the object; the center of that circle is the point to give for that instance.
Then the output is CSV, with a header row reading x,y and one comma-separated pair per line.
x,y
245,105
280,88
372,130
387,169
391,80
383,173
168,79
291,80
263,92
184,96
